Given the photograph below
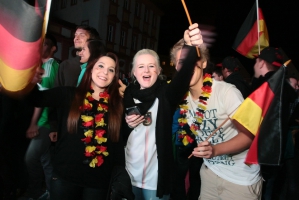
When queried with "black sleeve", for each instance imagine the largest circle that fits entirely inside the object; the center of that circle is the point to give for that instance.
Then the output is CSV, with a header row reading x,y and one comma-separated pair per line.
x,y
180,83
54,97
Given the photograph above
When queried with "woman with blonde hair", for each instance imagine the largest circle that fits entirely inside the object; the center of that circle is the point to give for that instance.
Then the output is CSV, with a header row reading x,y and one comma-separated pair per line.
x,y
149,157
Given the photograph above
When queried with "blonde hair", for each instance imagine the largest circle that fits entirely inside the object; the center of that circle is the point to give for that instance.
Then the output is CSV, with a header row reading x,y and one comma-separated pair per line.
x,y
204,52
146,52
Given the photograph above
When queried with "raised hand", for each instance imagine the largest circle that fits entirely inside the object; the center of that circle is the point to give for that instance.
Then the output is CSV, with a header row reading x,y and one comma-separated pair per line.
x,y
192,36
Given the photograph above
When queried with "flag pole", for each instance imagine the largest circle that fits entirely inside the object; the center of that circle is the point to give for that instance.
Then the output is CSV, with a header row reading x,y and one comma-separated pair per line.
x,y
286,63
190,22
44,28
46,17
258,25
213,133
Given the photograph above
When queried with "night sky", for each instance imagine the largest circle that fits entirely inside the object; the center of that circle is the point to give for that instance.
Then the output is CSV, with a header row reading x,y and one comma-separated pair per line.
x,y
227,16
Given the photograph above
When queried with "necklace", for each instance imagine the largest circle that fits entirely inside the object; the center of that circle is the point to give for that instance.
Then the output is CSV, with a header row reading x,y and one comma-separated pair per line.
x,y
93,118
187,137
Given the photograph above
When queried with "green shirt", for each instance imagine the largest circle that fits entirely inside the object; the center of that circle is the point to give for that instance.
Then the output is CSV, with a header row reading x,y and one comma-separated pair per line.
x,y
51,69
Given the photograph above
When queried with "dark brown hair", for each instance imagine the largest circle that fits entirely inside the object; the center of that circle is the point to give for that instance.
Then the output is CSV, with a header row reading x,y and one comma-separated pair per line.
x,y
93,33
115,109
96,49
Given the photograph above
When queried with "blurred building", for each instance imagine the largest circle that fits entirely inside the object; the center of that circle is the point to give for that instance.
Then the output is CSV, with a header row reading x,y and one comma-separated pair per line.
x,y
125,26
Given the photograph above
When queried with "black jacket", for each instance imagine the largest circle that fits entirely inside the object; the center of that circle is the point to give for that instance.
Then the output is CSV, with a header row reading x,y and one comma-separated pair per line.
x,y
236,79
169,96
68,73
69,149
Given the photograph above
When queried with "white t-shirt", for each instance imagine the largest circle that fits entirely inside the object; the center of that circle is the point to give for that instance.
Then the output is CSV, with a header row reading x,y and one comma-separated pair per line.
x,y
224,100
141,153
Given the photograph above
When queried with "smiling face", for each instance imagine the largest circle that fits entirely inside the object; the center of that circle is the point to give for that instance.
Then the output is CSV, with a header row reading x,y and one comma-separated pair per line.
x,y
103,73
81,36
146,70
84,53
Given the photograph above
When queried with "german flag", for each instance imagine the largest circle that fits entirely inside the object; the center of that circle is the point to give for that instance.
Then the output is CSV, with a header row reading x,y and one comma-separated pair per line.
x,y
247,41
261,113
21,35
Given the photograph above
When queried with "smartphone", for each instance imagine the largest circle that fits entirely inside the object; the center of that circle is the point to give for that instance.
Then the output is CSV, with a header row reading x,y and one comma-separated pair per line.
x,y
133,111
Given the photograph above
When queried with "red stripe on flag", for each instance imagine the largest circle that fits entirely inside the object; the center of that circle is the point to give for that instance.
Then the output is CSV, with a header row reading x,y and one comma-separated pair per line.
x,y
263,97
16,53
249,41
251,38
251,157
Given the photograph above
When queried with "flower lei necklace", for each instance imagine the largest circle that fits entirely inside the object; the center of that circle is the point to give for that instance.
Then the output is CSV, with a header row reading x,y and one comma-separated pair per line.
x,y
93,115
183,136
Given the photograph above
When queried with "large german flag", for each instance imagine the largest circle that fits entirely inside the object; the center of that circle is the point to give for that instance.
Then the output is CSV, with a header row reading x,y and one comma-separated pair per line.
x,y
249,38
21,28
261,113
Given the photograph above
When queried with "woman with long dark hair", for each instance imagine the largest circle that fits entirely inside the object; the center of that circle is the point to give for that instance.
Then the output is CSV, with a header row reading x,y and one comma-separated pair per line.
x,y
89,144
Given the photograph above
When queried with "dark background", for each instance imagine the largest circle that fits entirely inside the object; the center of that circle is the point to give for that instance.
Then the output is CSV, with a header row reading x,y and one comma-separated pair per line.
x,y
227,16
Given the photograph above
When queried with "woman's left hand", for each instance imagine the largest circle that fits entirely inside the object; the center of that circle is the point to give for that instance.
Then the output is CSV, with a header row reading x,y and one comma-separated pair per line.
x,y
193,36
134,120
204,150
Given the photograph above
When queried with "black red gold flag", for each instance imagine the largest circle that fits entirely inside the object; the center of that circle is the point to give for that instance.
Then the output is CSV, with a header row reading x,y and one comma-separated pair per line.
x,y
249,38
21,35
262,114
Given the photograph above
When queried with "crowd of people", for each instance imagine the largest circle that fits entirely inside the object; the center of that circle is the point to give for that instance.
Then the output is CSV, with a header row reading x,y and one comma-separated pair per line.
x,y
79,141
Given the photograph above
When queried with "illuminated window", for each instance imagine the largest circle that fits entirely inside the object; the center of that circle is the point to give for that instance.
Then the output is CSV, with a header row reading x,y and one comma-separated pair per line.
x,y
73,2
123,38
154,21
63,4
126,4
143,44
110,36
137,9
134,42
146,15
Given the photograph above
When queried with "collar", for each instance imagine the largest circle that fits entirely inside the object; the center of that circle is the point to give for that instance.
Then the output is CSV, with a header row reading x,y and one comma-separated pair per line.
x,y
83,66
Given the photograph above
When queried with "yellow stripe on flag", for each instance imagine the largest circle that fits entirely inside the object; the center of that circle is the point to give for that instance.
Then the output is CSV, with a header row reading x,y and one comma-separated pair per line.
x,y
249,114
263,41
15,80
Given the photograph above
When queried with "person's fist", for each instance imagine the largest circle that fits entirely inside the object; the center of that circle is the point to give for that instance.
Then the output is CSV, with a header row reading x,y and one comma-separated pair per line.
x,y
38,75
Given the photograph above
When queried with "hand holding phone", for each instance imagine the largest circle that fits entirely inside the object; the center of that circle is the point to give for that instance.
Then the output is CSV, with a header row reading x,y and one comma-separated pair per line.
x,y
133,111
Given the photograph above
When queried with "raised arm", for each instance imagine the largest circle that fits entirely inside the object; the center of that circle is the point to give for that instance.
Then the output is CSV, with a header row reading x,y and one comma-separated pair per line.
x,y
188,57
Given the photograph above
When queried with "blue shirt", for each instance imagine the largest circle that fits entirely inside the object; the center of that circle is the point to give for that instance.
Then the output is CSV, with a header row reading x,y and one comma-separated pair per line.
x,y
83,69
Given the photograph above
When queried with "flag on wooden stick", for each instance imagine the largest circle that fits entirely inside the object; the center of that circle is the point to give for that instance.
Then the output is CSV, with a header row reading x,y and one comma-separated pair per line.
x,y
253,35
262,114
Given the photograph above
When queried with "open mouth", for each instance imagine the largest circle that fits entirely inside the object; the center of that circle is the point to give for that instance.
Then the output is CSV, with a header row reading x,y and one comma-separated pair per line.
x,y
102,78
146,78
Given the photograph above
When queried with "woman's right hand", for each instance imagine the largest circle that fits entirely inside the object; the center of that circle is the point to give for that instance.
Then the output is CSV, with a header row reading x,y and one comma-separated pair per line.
x,y
134,120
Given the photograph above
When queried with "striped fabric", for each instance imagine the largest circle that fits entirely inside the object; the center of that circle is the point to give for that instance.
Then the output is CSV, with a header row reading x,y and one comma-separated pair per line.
x,y
21,28
261,114
247,40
